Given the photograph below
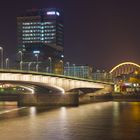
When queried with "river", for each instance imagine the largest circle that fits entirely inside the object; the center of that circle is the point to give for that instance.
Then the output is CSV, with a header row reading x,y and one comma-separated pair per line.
x,y
97,121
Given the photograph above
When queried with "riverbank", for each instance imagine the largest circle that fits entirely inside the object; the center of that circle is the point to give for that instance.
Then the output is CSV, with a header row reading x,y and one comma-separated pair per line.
x,y
109,97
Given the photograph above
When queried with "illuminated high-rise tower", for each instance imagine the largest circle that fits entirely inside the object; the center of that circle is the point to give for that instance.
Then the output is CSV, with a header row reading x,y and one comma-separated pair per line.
x,y
40,36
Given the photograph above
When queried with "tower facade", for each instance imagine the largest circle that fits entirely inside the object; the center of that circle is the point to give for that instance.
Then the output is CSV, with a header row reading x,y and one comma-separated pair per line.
x,y
40,35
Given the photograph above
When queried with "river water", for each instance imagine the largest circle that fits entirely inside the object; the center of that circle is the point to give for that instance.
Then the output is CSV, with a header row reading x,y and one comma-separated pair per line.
x,y
97,121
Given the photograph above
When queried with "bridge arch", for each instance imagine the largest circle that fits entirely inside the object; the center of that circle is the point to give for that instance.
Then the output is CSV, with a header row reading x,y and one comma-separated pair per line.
x,y
124,68
32,87
84,90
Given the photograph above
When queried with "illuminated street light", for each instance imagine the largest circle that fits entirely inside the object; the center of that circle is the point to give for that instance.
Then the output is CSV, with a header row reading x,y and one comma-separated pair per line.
x,y
47,69
29,66
68,64
7,63
50,63
1,49
37,67
74,70
21,57
20,65
61,61
82,69
36,55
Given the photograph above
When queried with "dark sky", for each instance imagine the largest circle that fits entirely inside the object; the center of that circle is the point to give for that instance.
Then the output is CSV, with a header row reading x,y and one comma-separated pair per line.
x,y
102,33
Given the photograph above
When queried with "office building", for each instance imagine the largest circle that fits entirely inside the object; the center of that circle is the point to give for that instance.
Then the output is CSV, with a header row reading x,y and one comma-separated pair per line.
x,y
40,36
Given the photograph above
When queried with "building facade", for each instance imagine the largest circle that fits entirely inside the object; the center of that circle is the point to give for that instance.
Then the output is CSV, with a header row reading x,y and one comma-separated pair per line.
x,y
81,71
102,75
40,36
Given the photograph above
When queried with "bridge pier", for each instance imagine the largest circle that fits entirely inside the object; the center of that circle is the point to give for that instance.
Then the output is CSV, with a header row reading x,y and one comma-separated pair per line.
x,y
48,100
27,100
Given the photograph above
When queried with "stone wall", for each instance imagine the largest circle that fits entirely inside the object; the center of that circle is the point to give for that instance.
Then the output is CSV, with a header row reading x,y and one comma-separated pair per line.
x,y
95,98
129,98
49,100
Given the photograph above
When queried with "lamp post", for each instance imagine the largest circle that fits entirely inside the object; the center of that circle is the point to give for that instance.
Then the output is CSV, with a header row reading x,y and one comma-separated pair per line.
x,y
37,67
74,70
62,71
37,62
7,63
1,50
50,62
29,66
47,69
82,69
68,64
37,58
21,55
20,65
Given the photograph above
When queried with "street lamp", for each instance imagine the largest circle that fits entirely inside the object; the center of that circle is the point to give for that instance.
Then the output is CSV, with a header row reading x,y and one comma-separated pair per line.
x,y
21,55
50,61
74,70
7,63
82,69
20,64
37,67
68,64
29,66
61,61
37,55
37,58
47,69
1,50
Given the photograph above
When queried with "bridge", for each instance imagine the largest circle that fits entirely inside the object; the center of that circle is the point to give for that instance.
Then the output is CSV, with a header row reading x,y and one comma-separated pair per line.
x,y
45,85
125,68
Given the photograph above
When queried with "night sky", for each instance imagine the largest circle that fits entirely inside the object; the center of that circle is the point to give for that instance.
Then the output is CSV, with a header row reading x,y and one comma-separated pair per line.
x,y
102,33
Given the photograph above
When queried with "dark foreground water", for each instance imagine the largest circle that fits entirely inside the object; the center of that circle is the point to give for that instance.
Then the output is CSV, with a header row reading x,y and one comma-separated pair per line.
x,y
98,121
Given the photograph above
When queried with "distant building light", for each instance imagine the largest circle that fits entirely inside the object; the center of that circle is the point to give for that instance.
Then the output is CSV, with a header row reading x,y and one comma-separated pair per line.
x,y
134,84
128,84
57,13
62,56
36,52
53,13
42,39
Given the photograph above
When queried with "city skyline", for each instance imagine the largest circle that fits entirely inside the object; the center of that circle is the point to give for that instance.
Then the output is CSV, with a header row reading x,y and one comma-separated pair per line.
x,y
102,34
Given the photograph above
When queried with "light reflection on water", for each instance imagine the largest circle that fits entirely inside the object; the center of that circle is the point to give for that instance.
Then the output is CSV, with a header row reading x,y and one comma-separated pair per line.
x,y
7,106
98,121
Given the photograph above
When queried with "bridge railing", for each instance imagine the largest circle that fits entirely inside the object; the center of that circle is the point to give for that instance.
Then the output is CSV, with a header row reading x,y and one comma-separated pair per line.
x,y
52,75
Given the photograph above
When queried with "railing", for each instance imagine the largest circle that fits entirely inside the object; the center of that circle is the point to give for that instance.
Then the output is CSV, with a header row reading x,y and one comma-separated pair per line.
x,y
52,75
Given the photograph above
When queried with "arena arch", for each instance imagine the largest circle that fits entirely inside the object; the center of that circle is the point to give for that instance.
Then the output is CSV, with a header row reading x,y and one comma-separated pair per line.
x,y
125,68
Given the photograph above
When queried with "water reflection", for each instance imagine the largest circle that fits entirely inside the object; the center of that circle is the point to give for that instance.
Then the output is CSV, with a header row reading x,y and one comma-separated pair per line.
x,y
32,111
98,121
63,112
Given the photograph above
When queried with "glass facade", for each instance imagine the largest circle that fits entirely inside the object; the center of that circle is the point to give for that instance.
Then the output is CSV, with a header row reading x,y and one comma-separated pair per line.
x,y
102,75
81,71
41,30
